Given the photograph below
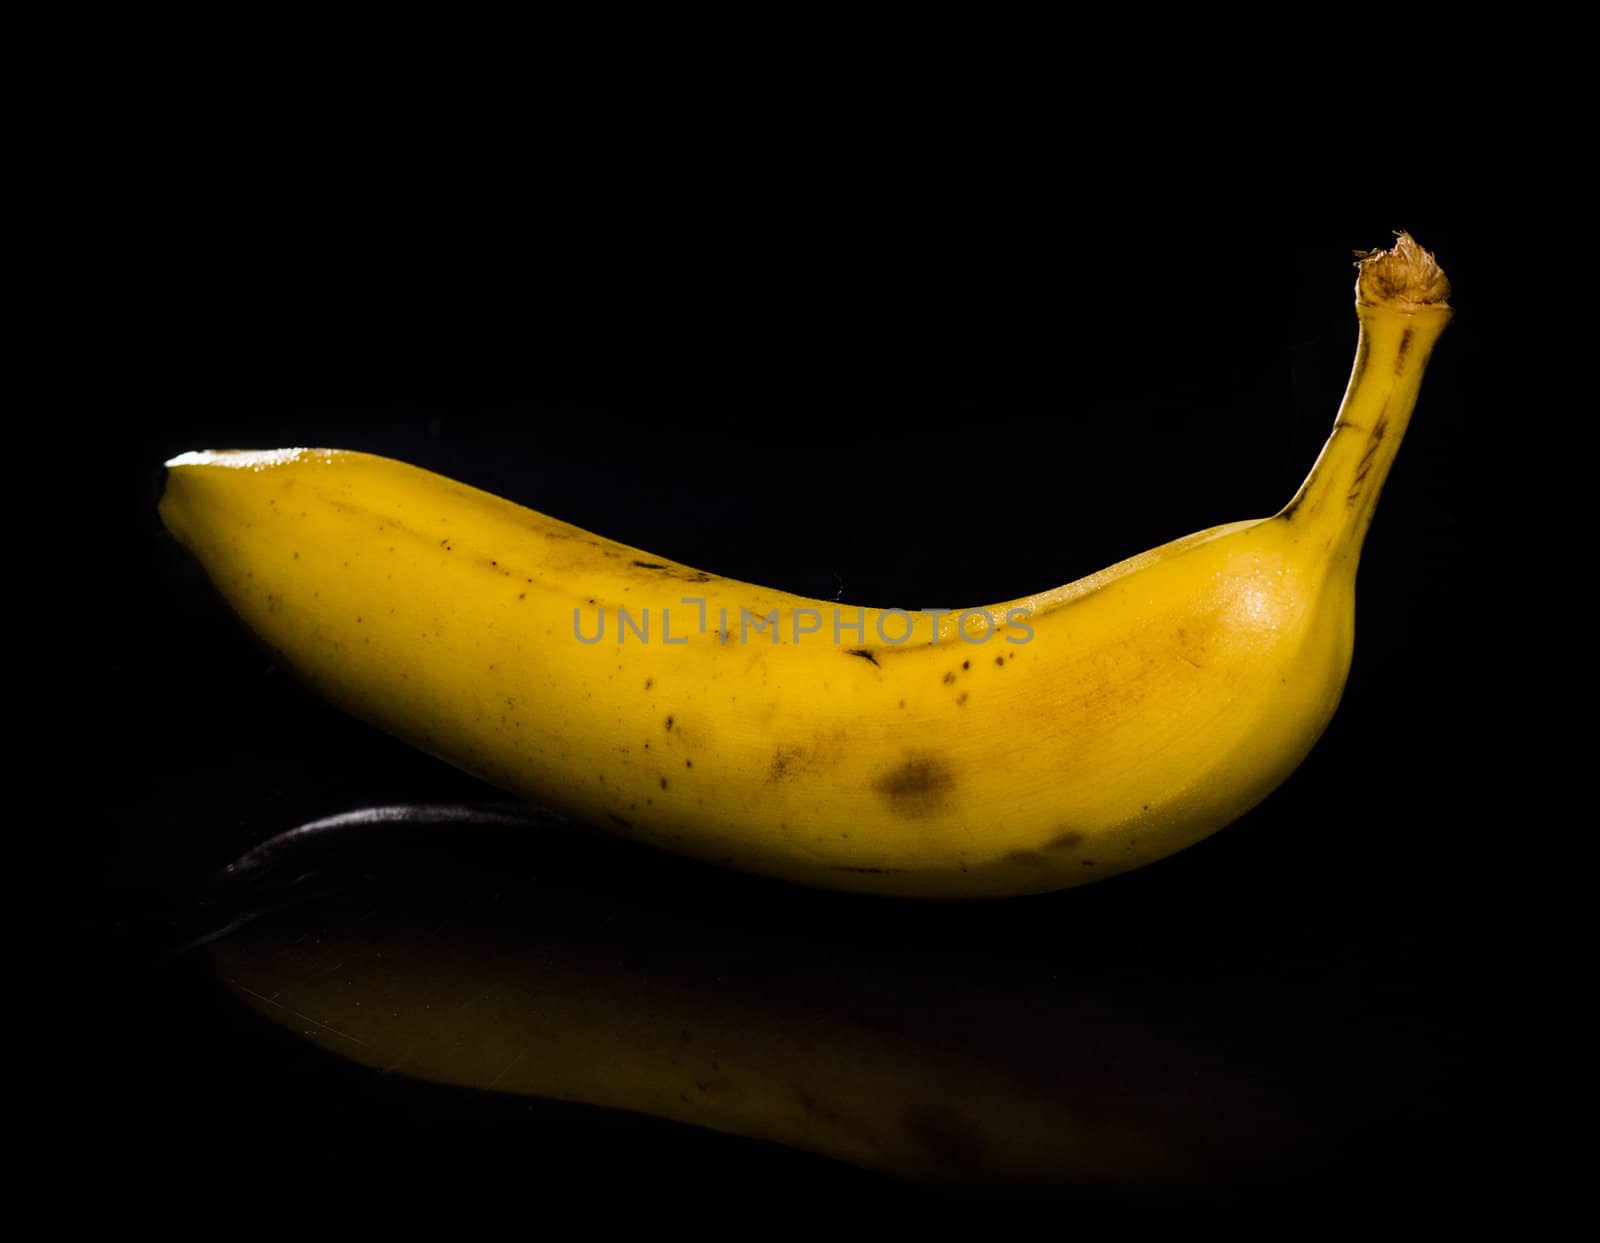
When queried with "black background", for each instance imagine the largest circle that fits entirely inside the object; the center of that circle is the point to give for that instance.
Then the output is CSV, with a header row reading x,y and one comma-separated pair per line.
x,y
898,414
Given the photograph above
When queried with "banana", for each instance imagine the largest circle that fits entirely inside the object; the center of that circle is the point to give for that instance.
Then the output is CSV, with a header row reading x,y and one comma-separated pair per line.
x,y
1015,748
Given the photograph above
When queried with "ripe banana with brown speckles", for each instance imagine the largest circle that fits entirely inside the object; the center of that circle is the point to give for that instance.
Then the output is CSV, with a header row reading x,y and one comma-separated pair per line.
x,y
1015,748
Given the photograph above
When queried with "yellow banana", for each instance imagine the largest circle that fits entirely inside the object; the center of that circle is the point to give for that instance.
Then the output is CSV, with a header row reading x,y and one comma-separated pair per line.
x,y
1016,748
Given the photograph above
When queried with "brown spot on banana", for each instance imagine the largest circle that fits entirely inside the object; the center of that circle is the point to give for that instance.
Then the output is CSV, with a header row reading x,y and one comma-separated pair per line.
x,y
918,788
1364,467
676,571
785,760
1405,346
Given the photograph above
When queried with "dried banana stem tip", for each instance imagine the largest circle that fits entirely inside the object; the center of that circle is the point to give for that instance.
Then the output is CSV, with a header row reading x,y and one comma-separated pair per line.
x,y
1405,277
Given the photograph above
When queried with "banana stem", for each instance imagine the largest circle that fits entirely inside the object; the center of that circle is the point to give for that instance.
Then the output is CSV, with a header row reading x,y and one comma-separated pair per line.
x,y
1402,308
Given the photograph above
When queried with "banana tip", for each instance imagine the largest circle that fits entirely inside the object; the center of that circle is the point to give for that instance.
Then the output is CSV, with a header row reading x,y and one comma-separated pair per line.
x,y
1405,277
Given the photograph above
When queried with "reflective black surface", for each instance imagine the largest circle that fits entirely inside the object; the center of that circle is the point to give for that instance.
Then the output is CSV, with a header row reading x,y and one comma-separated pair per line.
x,y
836,443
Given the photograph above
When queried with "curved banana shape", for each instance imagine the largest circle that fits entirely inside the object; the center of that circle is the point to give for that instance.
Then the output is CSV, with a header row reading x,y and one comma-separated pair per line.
x,y
1016,748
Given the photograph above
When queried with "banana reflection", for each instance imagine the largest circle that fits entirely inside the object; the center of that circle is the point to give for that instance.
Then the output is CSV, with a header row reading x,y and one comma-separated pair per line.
x,y
451,948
